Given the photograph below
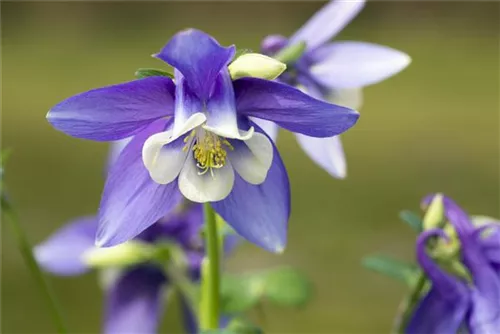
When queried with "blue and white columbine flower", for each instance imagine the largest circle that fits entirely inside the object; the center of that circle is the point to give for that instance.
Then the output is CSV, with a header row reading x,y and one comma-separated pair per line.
x,y
194,139
453,304
333,72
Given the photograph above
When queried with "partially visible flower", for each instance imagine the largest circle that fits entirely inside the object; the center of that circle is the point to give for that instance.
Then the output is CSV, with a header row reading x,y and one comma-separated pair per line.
x,y
134,299
452,304
334,72
194,139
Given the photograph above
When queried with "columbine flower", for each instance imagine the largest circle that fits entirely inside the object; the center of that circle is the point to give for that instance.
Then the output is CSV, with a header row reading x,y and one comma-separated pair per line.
x,y
134,299
452,304
334,72
194,138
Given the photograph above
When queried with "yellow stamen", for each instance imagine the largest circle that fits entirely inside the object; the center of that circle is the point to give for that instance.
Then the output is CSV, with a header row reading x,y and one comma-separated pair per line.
x,y
210,152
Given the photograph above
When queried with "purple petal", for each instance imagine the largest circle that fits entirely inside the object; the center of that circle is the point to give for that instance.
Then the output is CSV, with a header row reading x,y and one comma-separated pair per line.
x,y
260,213
327,22
291,109
484,315
486,293
115,150
443,309
272,44
437,314
183,226
132,201
311,88
186,103
326,152
221,107
114,112
134,303
62,253
491,243
199,57
356,64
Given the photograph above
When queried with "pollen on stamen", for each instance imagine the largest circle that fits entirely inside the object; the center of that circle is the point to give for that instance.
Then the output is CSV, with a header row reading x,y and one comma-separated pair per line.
x,y
210,153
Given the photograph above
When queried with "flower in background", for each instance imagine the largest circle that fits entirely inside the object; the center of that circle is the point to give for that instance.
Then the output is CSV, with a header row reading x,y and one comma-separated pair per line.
x,y
453,304
334,72
135,297
194,139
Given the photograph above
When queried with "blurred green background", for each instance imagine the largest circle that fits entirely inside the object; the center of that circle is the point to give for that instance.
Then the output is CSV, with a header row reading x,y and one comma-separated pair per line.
x,y
434,127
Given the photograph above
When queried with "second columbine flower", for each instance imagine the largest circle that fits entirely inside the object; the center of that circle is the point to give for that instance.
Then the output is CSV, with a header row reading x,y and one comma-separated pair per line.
x,y
194,139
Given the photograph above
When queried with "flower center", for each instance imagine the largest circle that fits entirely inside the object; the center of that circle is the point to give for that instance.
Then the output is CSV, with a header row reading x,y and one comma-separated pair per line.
x,y
209,150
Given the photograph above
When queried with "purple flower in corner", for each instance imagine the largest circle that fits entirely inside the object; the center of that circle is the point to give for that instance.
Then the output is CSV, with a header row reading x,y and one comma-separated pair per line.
x,y
453,304
194,139
134,296
334,72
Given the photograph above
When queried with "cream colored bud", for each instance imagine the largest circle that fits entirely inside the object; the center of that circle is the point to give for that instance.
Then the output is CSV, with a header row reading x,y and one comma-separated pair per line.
x,y
434,216
256,65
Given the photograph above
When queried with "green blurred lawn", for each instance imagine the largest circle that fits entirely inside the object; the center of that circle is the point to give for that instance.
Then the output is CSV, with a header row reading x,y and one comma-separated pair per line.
x,y
434,127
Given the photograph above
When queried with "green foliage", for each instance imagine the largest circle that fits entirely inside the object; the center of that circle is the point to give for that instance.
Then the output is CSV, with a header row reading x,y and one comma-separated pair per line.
x,y
152,72
412,219
288,287
399,270
239,293
281,286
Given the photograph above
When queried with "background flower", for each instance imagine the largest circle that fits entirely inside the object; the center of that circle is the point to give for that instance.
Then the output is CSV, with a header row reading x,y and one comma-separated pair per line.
x,y
452,303
334,72
135,295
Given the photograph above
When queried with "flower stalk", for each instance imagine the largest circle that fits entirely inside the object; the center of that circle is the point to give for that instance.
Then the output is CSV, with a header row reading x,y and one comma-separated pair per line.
x,y
26,251
210,274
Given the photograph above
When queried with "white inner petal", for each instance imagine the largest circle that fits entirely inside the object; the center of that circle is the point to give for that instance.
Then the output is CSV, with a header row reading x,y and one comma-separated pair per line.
x,y
231,132
253,158
207,187
192,122
164,162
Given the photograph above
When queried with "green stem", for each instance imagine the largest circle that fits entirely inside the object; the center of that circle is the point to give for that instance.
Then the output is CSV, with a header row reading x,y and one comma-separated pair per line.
x,y
408,304
26,251
291,53
210,274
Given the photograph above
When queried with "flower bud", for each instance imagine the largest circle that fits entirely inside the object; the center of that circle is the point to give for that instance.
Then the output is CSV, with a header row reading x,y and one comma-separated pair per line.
x,y
256,65
434,217
125,254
